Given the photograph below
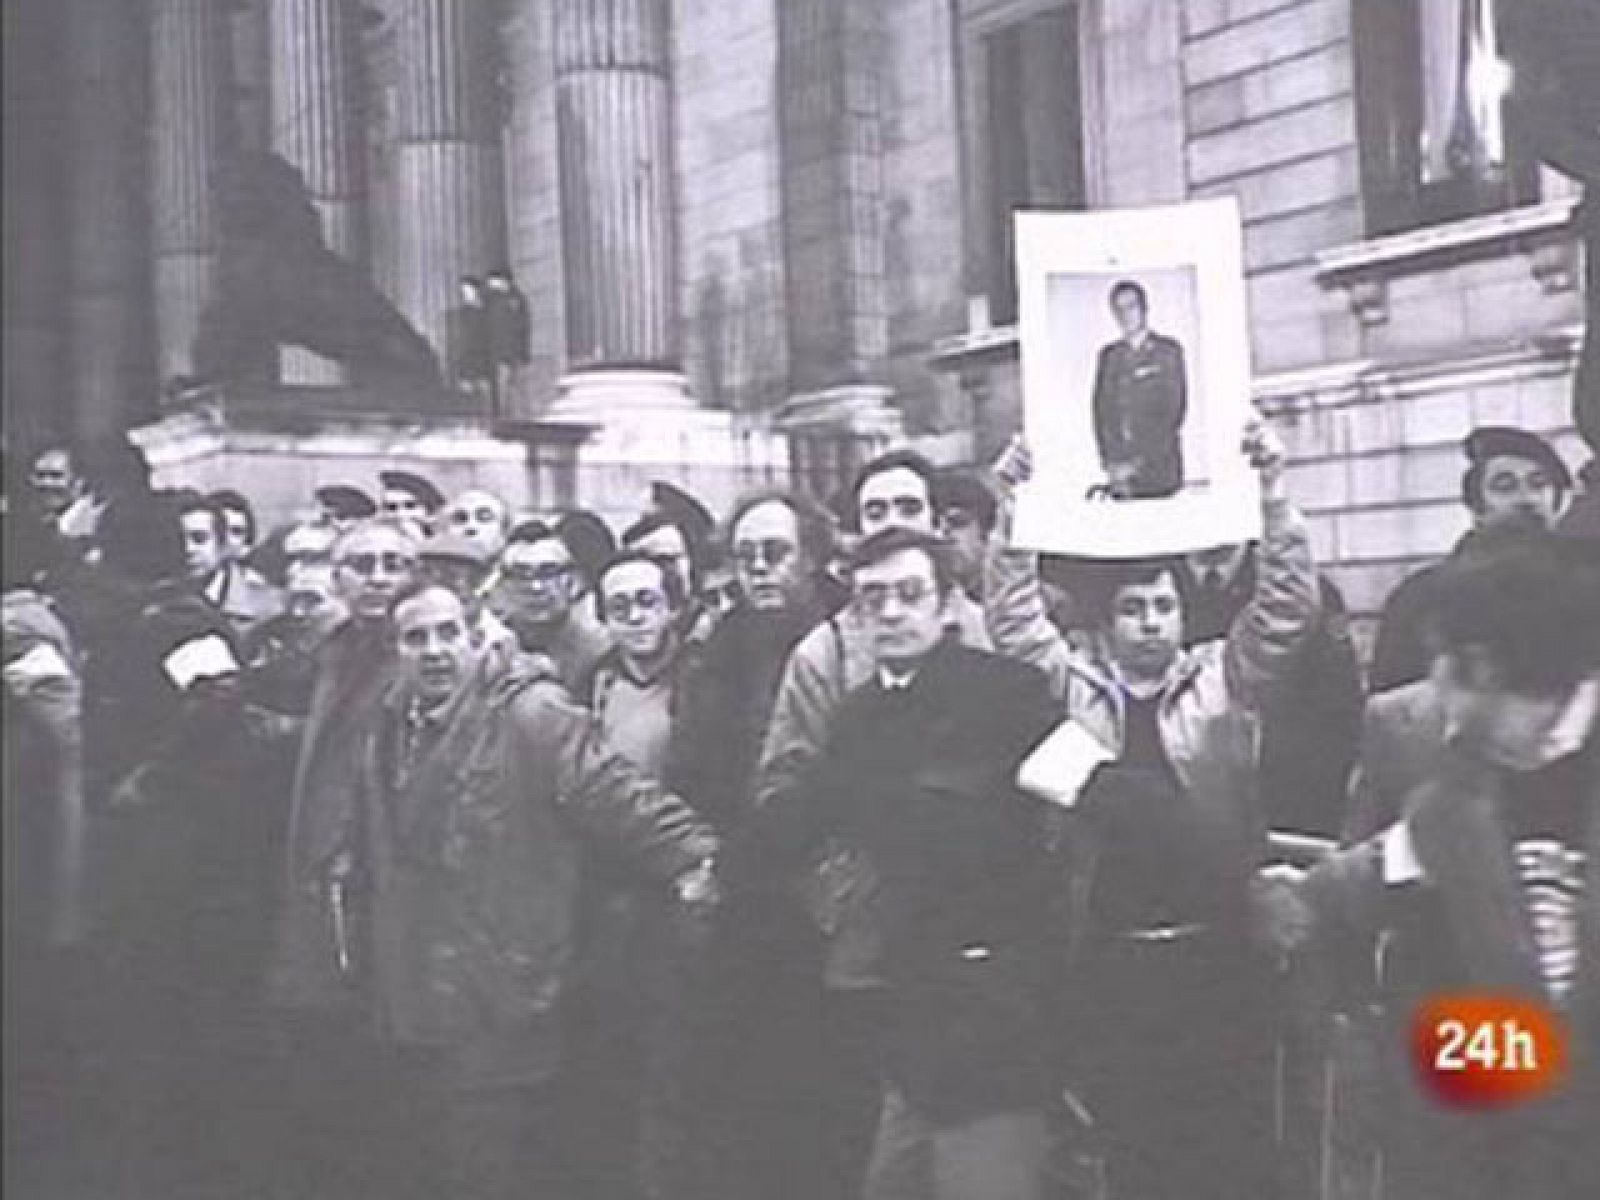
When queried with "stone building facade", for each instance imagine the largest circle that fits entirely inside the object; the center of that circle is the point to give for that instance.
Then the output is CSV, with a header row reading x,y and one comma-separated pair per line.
x,y
780,226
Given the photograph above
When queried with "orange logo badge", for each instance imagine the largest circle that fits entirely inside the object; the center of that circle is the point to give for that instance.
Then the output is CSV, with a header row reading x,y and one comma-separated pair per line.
x,y
1480,1050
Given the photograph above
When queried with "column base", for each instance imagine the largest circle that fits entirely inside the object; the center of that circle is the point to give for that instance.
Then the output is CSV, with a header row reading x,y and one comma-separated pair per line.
x,y
859,409
834,431
643,425
595,397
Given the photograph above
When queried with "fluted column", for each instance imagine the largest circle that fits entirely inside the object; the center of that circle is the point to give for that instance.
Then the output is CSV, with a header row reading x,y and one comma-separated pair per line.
x,y
189,81
449,185
533,179
252,75
316,126
615,137
108,308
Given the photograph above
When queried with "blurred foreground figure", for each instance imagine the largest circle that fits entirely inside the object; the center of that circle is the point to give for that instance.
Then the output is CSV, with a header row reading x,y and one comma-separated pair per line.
x,y
1485,882
43,843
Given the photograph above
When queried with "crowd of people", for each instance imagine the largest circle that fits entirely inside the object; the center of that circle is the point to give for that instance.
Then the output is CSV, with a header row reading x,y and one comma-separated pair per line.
x,y
423,848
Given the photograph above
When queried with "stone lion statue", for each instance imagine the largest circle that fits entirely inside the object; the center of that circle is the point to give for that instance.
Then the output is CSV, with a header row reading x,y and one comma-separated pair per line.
x,y
278,284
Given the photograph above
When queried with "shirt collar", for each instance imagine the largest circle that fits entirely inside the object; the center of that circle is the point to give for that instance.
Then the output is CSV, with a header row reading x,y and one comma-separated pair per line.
x,y
892,680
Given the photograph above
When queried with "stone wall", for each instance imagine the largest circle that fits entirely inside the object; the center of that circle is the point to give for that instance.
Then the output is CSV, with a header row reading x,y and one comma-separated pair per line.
x,y
730,227
1270,114
1374,356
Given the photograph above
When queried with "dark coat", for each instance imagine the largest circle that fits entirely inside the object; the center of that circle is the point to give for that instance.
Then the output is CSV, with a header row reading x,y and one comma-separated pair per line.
x,y
1378,948
724,707
356,670
1402,745
1402,652
1141,397
922,783
476,861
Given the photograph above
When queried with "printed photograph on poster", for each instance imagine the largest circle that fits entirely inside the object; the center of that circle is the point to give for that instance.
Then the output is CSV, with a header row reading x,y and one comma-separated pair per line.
x,y
1136,381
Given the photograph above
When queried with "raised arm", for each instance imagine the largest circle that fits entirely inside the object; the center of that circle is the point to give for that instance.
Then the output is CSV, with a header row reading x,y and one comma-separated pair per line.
x,y
1014,606
1269,630
604,793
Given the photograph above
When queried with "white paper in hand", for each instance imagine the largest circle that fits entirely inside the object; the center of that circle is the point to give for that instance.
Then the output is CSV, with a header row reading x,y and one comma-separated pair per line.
x,y
205,657
1060,765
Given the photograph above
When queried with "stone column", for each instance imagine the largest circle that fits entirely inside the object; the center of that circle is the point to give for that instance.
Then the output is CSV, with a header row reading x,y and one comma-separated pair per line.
x,y
316,126
830,108
189,104
449,184
32,315
533,197
111,376
252,75
615,135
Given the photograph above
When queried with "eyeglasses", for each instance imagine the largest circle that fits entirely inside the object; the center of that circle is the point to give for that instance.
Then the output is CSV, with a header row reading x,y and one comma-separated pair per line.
x,y
539,575
368,563
907,508
722,595
774,552
484,516
620,607
873,598
448,633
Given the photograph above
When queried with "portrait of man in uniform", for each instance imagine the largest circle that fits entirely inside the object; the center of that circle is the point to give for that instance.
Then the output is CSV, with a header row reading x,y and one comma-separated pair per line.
x,y
1141,396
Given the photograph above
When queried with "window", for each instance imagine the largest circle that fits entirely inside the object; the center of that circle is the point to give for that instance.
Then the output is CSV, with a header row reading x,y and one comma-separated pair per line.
x,y
1432,80
1025,132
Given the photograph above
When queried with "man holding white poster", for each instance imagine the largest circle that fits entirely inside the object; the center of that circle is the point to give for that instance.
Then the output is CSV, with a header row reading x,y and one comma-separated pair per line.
x,y
1168,984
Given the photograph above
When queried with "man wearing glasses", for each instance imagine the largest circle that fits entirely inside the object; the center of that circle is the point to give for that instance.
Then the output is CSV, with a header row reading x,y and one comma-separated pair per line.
x,y
895,490
630,690
918,776
536,595
339,1089
632,1040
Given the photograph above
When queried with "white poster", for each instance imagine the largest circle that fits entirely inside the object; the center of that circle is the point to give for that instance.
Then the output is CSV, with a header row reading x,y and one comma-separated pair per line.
x,y
1136,381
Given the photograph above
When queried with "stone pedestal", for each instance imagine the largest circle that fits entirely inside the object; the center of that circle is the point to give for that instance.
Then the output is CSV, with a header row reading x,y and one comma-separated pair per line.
x,y
832,432
641,426
277,444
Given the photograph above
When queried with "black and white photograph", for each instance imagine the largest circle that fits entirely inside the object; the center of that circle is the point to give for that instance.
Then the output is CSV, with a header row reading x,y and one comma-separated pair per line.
x,y
1134,362
800,599
1142,399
